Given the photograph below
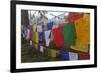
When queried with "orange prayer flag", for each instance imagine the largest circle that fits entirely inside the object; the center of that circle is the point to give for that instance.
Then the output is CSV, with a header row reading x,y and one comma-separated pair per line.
x,y
82,26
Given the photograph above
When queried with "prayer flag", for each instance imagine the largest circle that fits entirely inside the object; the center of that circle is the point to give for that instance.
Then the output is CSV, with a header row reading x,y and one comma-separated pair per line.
x,y
74,16
69,34
58,37
84,56
47,38
53,53
82,26
36,39
73,56
65,55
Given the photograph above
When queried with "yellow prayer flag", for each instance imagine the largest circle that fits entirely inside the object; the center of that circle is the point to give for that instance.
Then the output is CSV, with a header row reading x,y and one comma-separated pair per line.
x,y
34,27
53,53
82,26
36,39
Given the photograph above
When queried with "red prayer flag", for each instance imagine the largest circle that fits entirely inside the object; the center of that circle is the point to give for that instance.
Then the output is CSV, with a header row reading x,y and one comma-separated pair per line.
x,y
74,16
84,56
58,37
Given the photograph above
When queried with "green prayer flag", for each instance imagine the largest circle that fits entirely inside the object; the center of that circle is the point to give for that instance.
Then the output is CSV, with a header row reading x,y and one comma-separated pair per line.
x,y
69,34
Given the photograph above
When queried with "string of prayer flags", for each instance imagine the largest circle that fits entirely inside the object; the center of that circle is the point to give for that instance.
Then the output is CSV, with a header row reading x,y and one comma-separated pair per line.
x,y
69,34
63,36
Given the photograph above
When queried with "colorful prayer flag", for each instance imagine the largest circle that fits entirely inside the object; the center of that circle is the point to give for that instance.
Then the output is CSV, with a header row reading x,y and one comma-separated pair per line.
x,y
84,56
82,26
58,37
74,16
53,53
36,39
69,34
65,55
47,38
73,56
